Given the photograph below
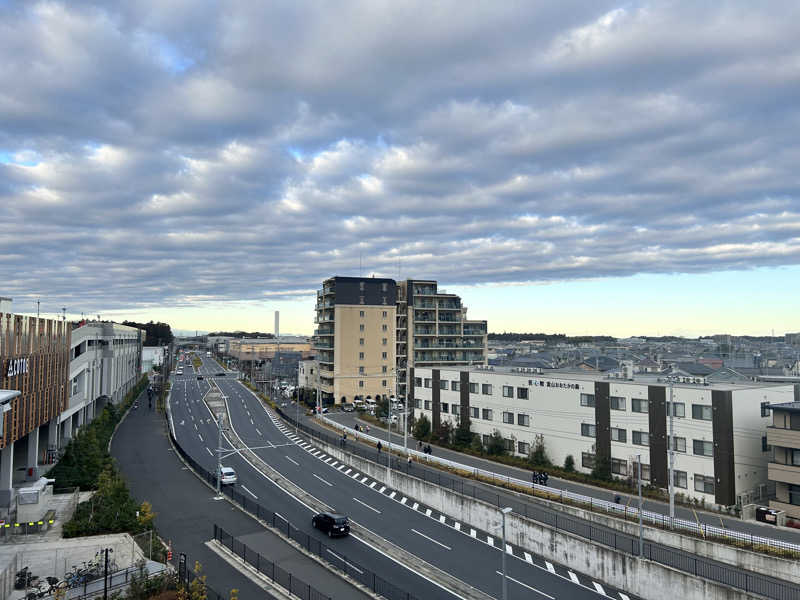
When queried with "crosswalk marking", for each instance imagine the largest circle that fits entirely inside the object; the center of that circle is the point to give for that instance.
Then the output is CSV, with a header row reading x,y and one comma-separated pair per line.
x,y
404,500
428,512
373,484
415,506
383,489
364,479
392,495
473,533
348,471
490,540
550,567
355,475
509,549
599,588
528,557
457,525
442,518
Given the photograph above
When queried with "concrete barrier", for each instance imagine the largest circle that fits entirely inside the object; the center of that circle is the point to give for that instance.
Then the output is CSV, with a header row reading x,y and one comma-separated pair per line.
x,y
641,577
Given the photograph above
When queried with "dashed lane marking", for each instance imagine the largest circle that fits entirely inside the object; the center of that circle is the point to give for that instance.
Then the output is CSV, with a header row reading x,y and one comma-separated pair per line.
x,y
345,562
249,492
209,451
200,436
431,539
328,483
525,585
574,577
367,505
292,460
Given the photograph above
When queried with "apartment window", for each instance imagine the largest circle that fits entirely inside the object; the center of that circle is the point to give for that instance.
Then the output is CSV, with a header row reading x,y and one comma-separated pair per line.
x,y
619,466
427,383
418,382
509,444
383,383
360,370
765,409
361,314
794,456
361,300
361,384
384,287
508,418
473,412
522,393
639,405
619,435
383,355
455,386
678,409
587,400
523,448
361,327
487,414
385,314
523,420
508,391
588,430
360,356
703,483
645,472
701,412
74,387
384,341
679,479
703,448
640,438
385,327
442,384
383,368
417,403
427,404
587,460
445,407
678,444
487,439
794,494
486,389
455,408
361,341
617,402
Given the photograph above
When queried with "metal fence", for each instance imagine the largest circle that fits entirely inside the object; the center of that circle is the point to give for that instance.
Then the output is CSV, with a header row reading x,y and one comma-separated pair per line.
x,y
350,567
737,538
629,544
268,568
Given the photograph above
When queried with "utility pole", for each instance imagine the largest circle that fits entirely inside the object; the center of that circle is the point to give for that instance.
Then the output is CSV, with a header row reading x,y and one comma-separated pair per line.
x,y
641,527
37,308
219,457
389,445
671,446
504,511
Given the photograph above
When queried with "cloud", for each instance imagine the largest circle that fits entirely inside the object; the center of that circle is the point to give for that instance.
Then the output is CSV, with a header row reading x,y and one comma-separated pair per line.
x,y
156,153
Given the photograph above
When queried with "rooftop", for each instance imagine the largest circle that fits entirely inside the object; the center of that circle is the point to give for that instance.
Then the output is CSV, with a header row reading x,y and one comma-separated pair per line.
x,y
787,406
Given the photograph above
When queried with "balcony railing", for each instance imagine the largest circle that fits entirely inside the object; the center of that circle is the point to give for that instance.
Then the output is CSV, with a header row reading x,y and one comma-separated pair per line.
x,y
424,331
424,290
424,304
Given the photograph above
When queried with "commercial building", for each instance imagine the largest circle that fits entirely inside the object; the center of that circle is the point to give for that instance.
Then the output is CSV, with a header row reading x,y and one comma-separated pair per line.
x,y
35,362
719,430
152,356
105,363
355,338
373,332
248,349
783,436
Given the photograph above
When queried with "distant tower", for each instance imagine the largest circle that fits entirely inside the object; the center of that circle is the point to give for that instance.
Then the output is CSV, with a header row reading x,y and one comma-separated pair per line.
x,y
277,323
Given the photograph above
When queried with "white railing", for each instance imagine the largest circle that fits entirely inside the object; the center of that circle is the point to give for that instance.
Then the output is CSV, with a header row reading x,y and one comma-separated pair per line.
x,y
651,518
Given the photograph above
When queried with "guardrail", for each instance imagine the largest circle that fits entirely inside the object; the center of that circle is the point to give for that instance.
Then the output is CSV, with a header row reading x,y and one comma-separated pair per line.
x,y
715,571
651,518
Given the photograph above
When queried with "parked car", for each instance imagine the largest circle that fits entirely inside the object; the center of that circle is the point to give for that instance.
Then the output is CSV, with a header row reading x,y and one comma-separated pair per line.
x,y
228,476
199,377
331,523
347,407
222,374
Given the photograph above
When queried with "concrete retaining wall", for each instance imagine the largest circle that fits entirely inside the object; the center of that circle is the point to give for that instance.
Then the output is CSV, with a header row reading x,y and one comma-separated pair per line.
x,y
638,576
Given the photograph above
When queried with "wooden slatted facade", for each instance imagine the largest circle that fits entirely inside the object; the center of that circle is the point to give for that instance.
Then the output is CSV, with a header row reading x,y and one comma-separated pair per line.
x,y
35,360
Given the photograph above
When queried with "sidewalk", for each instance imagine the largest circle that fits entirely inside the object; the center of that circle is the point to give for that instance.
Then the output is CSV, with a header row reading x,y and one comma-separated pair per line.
x,y
186,511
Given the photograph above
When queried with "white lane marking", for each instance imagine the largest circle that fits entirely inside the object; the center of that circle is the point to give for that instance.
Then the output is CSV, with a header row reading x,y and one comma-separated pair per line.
x,y
209,451
258,432
200,436
574,577
345,562
329,459
251,422
392,495
404,500
383,489
442,518
415,506
322,480
428,512
525,585
490,540
195,427
473,533
624,596
431,539
550,567
249,492
355,475
457,525
292,460
509,549
599,588
334,463
341,467
528,558
364,479
367,505
348,471
373,484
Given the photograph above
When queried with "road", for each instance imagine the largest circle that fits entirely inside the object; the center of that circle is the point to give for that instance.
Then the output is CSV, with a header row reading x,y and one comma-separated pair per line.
x,y
472,558
710,518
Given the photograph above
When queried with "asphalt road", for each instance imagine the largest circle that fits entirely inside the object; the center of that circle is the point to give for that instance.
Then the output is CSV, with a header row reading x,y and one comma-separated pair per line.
x,y
471,559
715,519
186,512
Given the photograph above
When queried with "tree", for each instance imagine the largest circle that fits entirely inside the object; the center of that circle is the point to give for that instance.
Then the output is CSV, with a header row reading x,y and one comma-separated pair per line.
x,y
422,428
382,407
602,468
538,455
476,445
496,445
462,436
444,433
569,464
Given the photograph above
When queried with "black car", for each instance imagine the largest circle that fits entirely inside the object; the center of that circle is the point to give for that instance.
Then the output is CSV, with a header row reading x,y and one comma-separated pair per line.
x,y
331,523
220,374
199,377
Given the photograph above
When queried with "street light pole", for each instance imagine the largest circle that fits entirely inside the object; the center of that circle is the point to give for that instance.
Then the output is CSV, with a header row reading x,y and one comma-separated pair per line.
x,y
505,511
219,455
671,446
641,528
389,445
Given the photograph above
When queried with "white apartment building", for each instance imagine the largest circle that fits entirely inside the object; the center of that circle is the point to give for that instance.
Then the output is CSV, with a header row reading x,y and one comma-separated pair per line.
x,y
105,363
719,430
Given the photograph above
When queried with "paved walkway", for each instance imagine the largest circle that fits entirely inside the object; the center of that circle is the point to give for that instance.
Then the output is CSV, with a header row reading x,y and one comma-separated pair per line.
x,y
186,511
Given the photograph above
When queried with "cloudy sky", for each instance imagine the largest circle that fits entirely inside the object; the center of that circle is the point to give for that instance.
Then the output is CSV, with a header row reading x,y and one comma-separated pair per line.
x,y
581,167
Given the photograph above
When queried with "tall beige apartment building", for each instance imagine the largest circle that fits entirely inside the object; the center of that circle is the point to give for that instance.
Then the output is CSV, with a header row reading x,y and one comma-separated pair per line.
x,y
372,332
355,338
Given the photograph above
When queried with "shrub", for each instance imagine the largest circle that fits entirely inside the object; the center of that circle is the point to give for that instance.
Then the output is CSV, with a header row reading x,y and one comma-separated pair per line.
x,y
538,456
569,464
496,445
422,428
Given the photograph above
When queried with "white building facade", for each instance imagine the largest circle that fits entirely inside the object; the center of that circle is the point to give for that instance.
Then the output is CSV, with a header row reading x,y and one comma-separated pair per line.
x,y
719,430
105,363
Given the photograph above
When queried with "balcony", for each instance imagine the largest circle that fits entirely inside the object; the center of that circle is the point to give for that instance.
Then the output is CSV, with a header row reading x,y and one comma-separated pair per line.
x,y
783,473
787,438
445,305
474,332
424,290
323,344
424,331
419,303
325,318
328,290
423,316
449,318
449,331
327,331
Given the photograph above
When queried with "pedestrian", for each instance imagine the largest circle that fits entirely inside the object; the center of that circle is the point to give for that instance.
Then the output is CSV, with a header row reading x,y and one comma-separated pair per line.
x,y
367,428
419,445
618,499
544,477
409,461
379,447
